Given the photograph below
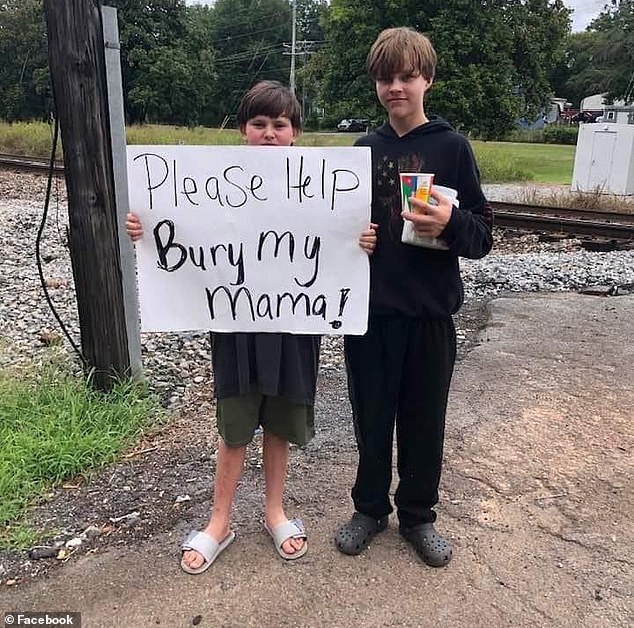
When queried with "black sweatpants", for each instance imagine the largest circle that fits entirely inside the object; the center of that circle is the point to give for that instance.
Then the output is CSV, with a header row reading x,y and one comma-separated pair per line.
x,y
400,371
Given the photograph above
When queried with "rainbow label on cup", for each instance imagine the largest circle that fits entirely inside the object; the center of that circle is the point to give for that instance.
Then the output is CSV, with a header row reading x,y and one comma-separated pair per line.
x,y
416,184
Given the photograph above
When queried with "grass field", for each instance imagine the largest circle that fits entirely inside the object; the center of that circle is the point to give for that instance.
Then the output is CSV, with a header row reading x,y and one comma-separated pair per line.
x,y
548,163
499,162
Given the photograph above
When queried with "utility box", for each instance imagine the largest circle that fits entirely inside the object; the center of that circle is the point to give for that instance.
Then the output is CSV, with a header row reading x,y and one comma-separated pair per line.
x,y
604,160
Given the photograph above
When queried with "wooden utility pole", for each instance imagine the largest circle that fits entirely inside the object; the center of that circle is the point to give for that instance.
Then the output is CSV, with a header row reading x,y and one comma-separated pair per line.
x,y
293,52
76,61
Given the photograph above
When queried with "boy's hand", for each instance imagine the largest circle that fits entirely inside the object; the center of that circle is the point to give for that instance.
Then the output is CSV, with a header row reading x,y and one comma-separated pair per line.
x,y
367,240
429,220
133,227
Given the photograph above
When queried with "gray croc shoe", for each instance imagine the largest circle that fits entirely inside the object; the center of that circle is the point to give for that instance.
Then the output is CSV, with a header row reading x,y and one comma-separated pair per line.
x,y
353,537
433,549
206,546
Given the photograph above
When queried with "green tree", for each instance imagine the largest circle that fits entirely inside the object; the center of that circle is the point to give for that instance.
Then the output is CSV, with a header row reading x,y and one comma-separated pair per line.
x,y
24,79
539,30
310,36
613,52
477,84
170,89
248,37
575,71
337,71
495,57
166,59
309,16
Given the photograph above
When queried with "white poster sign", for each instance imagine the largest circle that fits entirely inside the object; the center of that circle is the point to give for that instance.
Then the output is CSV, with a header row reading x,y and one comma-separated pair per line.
x,y
251,238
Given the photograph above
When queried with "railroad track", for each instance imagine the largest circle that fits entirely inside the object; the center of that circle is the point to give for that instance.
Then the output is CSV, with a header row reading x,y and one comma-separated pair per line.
x,y
572,222
569,221
32,164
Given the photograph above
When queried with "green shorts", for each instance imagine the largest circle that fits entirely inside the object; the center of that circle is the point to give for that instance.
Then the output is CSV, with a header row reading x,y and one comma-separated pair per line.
x,y
238,417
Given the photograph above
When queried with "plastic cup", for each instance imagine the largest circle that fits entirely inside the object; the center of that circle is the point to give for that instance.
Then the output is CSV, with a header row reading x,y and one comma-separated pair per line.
x,y
416,184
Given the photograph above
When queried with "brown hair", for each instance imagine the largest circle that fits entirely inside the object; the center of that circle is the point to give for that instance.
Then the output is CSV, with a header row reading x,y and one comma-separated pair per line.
x,y
401,49
272,99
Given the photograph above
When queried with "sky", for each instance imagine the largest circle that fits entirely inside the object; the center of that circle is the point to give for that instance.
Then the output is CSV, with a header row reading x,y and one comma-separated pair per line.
x,y
584,11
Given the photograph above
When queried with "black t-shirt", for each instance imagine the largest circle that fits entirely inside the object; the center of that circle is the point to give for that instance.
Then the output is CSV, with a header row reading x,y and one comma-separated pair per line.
x,y
283,365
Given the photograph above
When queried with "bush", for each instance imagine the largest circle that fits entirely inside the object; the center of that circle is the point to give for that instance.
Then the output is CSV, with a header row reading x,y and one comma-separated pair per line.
x,y
561,134
499,169
527,136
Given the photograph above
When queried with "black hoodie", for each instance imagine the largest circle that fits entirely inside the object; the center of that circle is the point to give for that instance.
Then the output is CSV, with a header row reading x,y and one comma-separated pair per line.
x,y
408,280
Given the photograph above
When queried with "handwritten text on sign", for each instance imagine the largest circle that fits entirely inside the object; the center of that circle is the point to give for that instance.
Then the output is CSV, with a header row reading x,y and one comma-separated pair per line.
x,y
251,238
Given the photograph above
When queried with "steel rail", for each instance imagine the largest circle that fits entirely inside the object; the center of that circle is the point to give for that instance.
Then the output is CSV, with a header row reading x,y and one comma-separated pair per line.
x,y
563,212
568,226
36,164
578,222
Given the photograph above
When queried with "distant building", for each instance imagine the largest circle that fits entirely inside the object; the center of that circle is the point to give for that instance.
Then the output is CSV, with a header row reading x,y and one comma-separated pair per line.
x,y
556,110
593,103
617,112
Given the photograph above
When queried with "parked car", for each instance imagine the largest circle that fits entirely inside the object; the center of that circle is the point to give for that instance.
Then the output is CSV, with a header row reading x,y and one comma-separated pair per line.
x,y
353,124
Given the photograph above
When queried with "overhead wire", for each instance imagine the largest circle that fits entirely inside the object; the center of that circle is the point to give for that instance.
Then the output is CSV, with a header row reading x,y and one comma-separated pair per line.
x,y
246,54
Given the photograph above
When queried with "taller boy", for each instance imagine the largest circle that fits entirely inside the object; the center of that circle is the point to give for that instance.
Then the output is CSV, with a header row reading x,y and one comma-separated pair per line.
x,y
401,369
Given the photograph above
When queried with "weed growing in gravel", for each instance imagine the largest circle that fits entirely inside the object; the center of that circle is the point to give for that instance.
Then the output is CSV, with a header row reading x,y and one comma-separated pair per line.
x,y
19,536
595,200
54,425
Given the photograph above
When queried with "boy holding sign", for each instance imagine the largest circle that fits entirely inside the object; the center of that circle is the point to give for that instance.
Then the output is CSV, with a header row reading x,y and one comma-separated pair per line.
x,y
400,370
265,379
